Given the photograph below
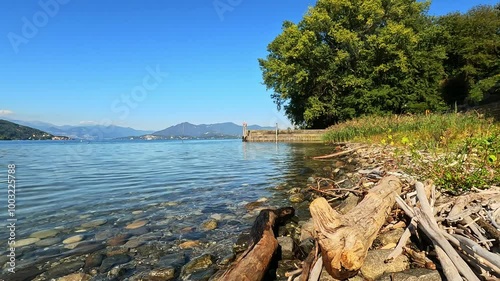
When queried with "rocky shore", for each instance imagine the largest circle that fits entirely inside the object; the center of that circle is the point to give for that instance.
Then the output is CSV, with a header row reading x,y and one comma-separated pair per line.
x,y
143,249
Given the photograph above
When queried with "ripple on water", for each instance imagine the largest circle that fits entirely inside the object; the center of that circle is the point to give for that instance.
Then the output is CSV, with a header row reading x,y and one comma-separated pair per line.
x,y
149,196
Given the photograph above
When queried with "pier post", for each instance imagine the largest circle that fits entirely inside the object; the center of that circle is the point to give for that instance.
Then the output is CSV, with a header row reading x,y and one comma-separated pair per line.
x,y
276,132
245,132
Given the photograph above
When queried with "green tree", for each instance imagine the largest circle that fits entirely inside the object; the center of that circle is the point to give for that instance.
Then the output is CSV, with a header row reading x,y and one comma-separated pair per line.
x,y
473,54
348,58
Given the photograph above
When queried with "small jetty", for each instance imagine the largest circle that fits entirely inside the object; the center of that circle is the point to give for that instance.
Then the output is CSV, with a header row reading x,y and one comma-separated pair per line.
x,y
277,135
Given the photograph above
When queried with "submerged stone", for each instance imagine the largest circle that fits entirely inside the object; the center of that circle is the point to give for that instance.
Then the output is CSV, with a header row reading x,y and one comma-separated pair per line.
x,y
48,242
112,261
162,274
93,260
75,277
94,223
209,225
64,269
189,244
297,198
198,264
73,239
118,240
45,233
136,224
26,242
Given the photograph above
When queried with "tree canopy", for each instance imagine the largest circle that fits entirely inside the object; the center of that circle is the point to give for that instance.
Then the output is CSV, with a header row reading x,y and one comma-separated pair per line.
x,y
473,54
348,58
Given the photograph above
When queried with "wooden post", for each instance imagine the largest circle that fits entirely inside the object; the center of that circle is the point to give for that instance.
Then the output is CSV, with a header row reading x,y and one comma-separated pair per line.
x,y
245,132
276,132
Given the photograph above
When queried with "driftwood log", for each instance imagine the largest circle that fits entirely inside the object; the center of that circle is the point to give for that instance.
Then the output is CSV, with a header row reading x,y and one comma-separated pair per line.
x,y
457,246
338,154
253,264
345,239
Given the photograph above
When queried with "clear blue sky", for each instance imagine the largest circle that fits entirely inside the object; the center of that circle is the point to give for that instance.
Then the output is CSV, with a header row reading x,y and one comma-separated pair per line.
x,y
90,61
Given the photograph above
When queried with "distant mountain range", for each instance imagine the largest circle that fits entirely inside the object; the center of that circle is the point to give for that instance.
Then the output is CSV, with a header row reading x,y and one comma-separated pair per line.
x,y
13,131
205,131
89,132
182,130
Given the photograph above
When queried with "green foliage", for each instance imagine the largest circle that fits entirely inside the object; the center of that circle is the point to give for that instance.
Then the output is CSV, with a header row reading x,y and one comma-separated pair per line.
x,y
472,164
472,64
12,131
349,58
427,131
458,151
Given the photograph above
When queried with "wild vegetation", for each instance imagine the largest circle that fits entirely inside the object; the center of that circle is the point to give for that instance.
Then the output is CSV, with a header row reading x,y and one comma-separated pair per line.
x,y
458,151
349,58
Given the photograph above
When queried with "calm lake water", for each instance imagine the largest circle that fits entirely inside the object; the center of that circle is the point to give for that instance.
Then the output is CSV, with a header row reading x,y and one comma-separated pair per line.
x,y
172,185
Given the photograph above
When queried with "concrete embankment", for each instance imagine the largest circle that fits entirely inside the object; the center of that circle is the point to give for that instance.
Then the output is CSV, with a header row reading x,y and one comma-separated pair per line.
x,y
283,136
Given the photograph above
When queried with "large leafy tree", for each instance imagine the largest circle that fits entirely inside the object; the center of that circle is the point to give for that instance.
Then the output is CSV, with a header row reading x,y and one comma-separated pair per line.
x,y
473,54
347,58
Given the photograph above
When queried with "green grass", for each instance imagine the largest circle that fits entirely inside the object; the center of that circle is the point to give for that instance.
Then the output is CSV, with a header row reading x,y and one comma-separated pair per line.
x,y
461,150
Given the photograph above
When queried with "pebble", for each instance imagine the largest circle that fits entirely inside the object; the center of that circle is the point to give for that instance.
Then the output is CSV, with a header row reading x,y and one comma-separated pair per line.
x,y
45,233
115,251
169,204
94,223
26,242
138,212
75,277
306,230
118,240
414,274
72,245
209,225
136,224
197,264
162,274
189,244
287,247
93,260
133,243
73,239
295,190
391,236
226,260
253,205
104,234
296,198
112,261
375,266
217,217
64,269
139,231
242,243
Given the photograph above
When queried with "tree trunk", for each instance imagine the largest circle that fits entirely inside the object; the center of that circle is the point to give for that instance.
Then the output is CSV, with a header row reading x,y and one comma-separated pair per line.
x,y
345,239
253,264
